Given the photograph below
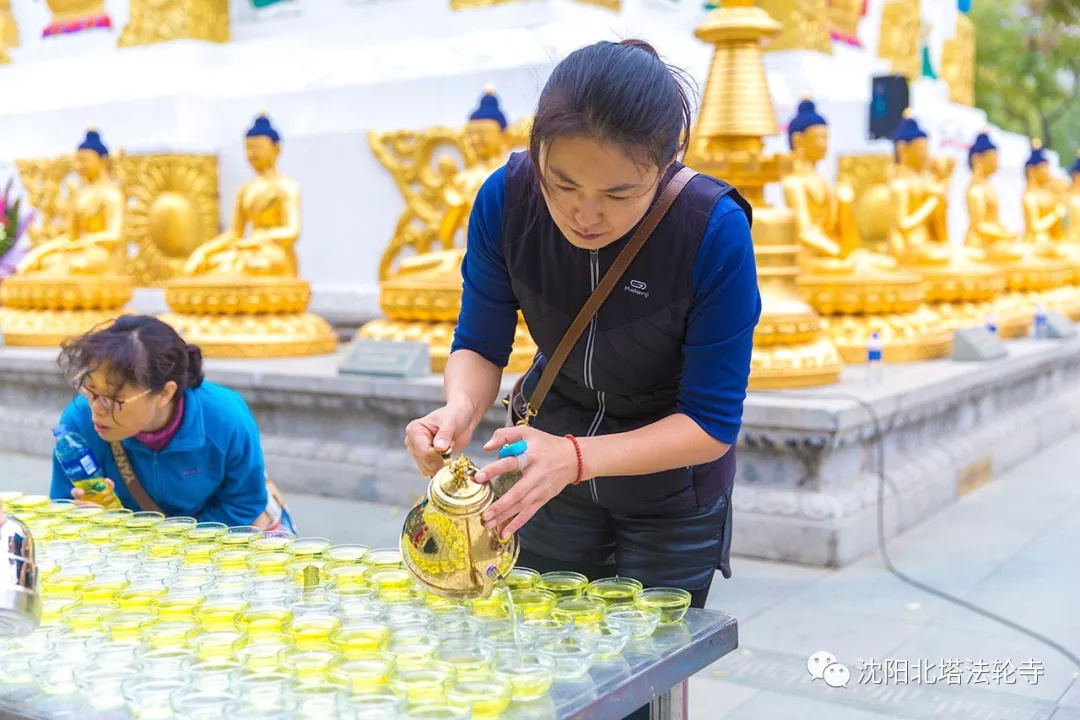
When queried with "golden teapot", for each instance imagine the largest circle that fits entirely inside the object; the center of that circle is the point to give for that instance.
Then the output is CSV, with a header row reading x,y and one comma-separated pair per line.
x,y
444,542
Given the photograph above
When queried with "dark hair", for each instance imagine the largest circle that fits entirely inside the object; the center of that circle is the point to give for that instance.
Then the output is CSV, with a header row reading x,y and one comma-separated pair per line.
x,y
137,350
619,93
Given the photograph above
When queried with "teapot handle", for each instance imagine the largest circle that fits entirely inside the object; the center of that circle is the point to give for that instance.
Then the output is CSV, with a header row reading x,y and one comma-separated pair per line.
x,y
445,458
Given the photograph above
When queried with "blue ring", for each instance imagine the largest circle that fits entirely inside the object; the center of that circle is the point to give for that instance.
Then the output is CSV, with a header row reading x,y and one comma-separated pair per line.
x,y
513,449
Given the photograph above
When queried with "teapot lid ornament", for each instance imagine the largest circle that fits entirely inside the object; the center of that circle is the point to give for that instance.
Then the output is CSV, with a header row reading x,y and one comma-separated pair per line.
x,y
453,489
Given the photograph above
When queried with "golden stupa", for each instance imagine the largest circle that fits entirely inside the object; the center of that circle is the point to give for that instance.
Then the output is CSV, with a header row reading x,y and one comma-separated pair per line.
x,y
240,294
790,348
69,284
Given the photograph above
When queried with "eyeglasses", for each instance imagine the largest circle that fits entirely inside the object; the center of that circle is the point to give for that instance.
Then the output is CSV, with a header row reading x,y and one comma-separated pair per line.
x,y
110,404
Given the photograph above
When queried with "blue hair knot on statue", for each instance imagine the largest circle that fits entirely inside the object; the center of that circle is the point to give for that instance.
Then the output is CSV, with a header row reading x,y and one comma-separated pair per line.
x,y
806,116
982,144
1075,167
963,6
908,130
93,142
262,128
489,110
1037,157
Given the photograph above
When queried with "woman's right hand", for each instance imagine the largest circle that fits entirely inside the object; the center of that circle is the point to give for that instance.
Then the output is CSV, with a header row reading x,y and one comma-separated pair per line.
x,y
78,494
441,431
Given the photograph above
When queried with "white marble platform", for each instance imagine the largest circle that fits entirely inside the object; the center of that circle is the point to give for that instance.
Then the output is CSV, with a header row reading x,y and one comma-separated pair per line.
x,y
807,482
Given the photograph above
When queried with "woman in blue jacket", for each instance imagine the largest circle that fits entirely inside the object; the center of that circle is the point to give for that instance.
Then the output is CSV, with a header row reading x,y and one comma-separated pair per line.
x,y
193,445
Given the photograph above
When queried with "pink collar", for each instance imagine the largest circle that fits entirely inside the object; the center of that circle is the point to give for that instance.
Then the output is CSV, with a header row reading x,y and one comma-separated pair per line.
x,y
157,441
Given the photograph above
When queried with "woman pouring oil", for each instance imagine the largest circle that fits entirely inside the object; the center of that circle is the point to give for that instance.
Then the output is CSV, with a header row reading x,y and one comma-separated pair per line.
x,y
628,465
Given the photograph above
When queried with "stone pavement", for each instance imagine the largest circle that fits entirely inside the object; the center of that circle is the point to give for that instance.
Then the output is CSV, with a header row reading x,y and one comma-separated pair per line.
x,y
1012,547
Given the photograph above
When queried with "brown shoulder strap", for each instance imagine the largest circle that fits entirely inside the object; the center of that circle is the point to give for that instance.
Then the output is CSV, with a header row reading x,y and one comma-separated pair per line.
x,y
667,198
127,473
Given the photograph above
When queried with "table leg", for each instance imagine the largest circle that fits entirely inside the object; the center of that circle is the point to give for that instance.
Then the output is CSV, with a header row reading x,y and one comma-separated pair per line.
x,y
671,705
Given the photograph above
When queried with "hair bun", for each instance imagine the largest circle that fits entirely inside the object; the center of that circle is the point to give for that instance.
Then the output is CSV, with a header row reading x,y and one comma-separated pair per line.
x,y
195,365
641,44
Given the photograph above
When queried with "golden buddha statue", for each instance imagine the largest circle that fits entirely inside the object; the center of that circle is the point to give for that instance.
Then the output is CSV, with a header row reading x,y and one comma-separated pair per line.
x,y
1044,211
241,295
270,203
857,292
1025,271
1072,204
420,296
824,219
985,231
93,243
67,285
485,135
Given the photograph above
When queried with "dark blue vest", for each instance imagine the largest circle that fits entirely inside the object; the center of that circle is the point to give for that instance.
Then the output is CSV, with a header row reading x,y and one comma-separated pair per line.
x,y
625,370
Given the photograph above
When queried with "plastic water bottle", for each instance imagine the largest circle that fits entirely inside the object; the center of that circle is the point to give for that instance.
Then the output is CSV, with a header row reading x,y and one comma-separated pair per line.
x,y
874,358
82,468
991,323
1038,328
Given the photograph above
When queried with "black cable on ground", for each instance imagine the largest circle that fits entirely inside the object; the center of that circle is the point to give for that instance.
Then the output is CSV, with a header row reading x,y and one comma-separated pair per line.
x,y
879,442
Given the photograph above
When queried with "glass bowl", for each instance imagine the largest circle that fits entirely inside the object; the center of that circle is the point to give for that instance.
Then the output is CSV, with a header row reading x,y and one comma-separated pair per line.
x,y
549,628
521,578
375,705
488,697
533,602
368,672
614,590
641,621
530,674
358,638
563,584
469,659
423,684
671,602
347,554
582,610
611,638
572,655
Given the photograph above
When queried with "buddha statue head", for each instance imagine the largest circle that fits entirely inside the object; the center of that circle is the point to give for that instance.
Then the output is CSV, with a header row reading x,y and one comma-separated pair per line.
x,y
486,126
1037,166
911,144
1074,170
808,133
91,156
262,144
982,155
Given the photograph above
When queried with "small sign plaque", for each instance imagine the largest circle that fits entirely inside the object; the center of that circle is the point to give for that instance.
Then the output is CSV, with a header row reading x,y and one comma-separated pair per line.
x,y
977,344
387,357
1059,327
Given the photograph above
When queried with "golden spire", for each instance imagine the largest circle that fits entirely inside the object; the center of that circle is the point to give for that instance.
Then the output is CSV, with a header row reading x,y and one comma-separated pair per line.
x,y
908,113
489,89
737,109
1036,144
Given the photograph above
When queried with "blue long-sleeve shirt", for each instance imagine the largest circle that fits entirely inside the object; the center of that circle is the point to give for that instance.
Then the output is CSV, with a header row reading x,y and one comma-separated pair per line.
x,y
212,468
720,328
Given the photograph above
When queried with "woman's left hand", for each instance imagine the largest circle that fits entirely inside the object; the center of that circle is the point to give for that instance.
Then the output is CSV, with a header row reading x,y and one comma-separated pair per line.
x,y
551,464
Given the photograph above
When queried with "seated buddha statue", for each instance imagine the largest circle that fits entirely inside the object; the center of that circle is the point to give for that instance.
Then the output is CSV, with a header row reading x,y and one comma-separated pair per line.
x,y
270,204
824,219
486,135
1072,203
985,231
1044,211
918,232
93,241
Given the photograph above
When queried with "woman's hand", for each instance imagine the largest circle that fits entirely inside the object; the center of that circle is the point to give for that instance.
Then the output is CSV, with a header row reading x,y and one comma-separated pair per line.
x,y
78,494
441,431
551,464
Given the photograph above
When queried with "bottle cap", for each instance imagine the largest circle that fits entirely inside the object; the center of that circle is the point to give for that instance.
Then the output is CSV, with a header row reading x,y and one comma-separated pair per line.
x,y
59,430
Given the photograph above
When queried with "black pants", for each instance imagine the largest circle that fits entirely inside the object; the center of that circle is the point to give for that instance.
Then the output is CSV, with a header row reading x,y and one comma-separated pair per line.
x,y
681,550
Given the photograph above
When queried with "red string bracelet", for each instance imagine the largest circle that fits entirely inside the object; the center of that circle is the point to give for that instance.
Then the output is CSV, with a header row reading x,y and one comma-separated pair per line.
x,y
580,461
